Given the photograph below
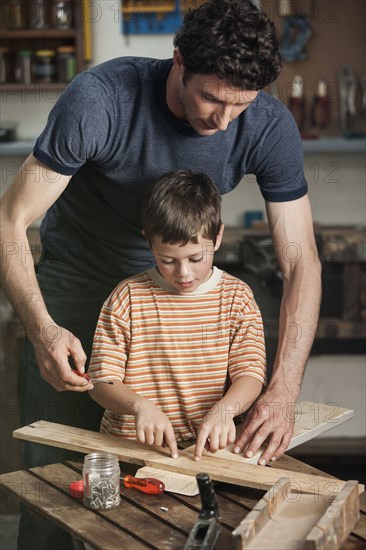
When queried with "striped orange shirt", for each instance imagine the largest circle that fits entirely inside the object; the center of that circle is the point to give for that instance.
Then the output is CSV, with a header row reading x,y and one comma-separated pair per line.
x,y
177,350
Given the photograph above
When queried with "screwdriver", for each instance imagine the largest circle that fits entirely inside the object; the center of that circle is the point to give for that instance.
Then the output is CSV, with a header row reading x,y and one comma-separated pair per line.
x,y
87,377
148,485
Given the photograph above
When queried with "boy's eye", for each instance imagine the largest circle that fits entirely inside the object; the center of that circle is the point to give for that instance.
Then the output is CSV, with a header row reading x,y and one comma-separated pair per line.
x,y
167,262
196,260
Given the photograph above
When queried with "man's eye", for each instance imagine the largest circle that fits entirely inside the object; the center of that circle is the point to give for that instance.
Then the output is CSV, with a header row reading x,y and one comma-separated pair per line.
x,y
211,99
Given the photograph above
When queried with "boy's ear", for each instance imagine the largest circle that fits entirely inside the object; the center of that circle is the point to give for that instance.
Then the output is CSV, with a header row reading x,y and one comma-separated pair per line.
x,y
219,237
143,232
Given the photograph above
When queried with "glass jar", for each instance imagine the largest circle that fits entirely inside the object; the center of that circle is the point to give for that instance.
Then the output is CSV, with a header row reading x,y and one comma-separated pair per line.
x,y
101,475
45,66
23,67
38,14
15,14
62,14
66,63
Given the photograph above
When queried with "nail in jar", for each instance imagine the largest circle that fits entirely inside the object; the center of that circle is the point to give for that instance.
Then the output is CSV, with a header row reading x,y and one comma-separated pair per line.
x,y
101,475
23,67
45,66
66,63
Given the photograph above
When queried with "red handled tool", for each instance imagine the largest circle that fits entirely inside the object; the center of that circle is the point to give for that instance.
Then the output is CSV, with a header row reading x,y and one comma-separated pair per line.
x,y
320,110
148,485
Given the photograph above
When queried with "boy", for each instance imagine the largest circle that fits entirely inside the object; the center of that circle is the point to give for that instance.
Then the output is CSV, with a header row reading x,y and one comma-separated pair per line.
x,y
173,338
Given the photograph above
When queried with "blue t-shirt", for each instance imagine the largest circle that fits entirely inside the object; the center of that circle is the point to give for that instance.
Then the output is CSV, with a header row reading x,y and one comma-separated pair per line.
x,y
112,131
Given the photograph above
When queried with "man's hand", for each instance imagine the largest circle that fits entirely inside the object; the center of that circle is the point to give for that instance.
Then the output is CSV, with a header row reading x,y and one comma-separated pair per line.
x,y
153,427
270,421
216,432
53,350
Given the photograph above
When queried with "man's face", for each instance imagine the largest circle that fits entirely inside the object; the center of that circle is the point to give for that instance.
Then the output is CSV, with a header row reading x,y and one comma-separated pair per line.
x,y
209,104
185,267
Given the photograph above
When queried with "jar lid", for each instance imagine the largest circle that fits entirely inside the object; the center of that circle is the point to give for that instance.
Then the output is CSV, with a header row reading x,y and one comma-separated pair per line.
x,y
66,49
25,53
76,489
45,53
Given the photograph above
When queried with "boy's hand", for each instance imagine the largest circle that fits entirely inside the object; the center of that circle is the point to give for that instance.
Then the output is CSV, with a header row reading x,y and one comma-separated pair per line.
x,y
214,433
153,427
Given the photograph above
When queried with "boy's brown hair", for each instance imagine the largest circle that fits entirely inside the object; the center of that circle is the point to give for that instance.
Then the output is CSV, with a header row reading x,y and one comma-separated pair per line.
x,y
180,206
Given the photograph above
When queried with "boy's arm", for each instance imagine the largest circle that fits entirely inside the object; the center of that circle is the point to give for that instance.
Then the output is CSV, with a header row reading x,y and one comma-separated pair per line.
x,y
218,428
152,425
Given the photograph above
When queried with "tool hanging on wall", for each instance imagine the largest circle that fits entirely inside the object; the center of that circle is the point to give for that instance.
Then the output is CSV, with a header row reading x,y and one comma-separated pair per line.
x,y
296,32
363,100
297,103
347,89
320,109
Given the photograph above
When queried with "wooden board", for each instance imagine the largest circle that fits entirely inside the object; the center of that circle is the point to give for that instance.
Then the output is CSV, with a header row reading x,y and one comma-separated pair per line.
x,y
282,520
219,469
311,420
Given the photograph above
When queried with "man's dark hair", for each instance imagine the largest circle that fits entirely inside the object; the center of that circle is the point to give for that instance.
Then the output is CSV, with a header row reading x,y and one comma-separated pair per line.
x,y
180,206
231,39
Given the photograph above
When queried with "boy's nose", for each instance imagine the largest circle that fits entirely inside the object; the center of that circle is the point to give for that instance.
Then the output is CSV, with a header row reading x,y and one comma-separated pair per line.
x,y
183,269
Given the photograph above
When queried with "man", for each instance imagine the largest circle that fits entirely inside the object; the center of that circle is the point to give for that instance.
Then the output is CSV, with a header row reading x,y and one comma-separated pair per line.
x,y
114,130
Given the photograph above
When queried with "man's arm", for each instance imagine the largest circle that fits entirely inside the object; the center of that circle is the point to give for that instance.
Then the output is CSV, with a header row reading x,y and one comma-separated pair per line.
x,y
272,417
33,191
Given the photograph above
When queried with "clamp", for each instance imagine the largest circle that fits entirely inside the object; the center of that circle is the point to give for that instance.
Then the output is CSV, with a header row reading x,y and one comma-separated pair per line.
x,y
204,533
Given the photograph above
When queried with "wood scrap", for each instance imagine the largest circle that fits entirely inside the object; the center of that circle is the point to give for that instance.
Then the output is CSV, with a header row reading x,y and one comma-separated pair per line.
x,y
282,520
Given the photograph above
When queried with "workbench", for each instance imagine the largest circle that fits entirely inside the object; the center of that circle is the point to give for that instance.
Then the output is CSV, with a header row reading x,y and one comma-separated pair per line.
x,y
141,521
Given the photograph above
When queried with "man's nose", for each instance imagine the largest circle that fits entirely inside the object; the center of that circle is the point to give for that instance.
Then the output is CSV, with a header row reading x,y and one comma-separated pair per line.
x,y
223,117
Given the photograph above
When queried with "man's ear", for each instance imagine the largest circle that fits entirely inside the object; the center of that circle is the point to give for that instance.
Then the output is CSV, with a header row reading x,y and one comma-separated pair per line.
x,y
143,232
219,237
178,60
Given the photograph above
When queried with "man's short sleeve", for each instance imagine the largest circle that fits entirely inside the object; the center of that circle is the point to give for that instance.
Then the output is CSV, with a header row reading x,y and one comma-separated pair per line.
x,y
79,126
280,160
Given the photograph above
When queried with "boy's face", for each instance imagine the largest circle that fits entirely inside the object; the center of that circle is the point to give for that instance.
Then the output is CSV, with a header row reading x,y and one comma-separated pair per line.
x,y
185,267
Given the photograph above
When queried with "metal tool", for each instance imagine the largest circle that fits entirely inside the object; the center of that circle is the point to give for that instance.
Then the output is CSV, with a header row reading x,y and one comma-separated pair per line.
x,y
205,531
320,109
297,101
87,377
347,88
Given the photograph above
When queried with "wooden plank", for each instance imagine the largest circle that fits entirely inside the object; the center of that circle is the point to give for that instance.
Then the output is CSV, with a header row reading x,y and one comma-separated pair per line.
x,y
337,522
68,514
219,469
311,420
